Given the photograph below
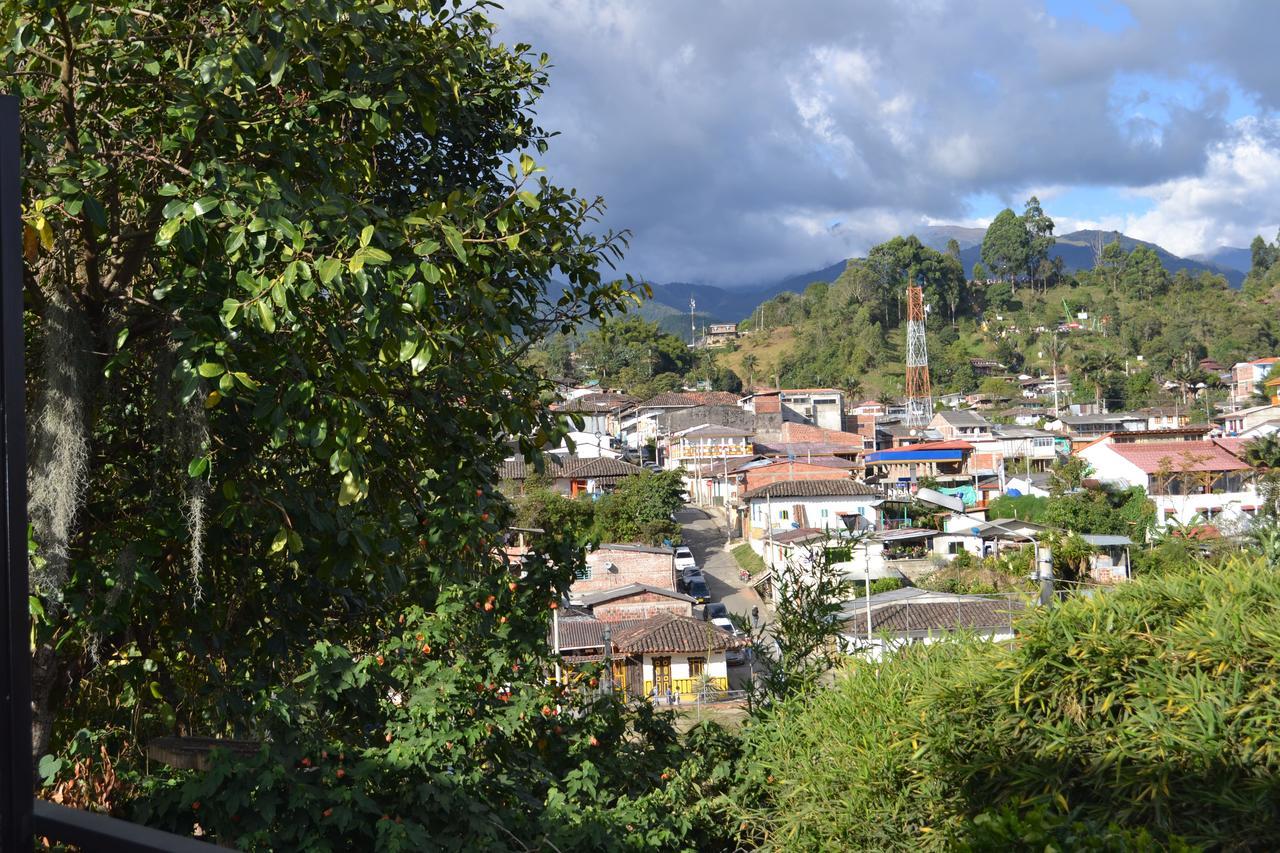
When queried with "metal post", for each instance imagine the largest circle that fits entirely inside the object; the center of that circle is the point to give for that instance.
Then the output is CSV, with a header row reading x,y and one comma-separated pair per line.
x,y
16,773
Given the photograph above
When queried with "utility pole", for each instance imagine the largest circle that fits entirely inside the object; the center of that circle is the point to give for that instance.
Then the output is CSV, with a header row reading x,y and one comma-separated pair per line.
x,y
693,324
1056,410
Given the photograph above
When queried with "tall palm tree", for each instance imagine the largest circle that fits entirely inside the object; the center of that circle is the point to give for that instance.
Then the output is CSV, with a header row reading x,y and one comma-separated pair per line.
x,y
749,364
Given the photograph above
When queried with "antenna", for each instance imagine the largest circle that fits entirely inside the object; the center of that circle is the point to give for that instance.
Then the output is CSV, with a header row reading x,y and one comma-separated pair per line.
x,y
919,394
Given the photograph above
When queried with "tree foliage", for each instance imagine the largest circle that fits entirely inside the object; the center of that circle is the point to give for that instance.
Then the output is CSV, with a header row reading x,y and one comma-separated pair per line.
x,y
284,261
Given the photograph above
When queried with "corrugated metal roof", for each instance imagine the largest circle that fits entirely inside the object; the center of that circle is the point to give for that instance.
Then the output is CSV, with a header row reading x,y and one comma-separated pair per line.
x,y
909,617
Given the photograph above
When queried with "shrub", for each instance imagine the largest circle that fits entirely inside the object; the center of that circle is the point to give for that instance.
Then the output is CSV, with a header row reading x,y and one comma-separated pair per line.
x,y
1147,712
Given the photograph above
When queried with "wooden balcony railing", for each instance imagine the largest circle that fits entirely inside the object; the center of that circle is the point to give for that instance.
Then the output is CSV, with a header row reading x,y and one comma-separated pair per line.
x,y
689,689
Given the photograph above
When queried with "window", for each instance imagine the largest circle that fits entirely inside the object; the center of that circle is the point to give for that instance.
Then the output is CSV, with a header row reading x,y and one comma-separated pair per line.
x,y
783,514
583,573
955,547
697,667
824,513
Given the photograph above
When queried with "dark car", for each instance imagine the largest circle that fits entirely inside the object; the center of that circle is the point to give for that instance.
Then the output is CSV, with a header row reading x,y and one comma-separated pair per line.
x,y
715,610
697,588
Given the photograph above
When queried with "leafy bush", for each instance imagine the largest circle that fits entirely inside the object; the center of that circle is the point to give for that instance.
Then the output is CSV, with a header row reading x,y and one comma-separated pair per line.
x,y
1148,711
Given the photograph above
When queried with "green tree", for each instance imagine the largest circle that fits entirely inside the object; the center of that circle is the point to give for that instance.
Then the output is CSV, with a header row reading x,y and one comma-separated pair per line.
x,y
285,257
801,644
750,363
1006,247
1040,241
640,509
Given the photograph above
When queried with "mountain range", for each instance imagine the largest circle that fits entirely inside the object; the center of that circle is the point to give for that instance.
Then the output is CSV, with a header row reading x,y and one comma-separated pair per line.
x,y
733,304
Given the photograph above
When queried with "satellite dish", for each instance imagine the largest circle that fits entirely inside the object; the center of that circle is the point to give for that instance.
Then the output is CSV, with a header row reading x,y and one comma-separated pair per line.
x,y
975,531
1014,493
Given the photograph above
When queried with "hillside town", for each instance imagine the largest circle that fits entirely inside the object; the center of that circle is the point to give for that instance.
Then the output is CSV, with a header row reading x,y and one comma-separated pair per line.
x,y
789,473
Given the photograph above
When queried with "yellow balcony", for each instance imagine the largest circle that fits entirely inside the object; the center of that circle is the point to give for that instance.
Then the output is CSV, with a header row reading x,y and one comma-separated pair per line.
x,y
688,688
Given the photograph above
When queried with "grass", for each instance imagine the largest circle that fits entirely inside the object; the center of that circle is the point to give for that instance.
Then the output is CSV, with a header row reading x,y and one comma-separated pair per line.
x,y
748,559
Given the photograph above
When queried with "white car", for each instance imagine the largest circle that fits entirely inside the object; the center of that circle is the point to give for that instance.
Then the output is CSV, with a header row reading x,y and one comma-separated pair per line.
x,y
684,558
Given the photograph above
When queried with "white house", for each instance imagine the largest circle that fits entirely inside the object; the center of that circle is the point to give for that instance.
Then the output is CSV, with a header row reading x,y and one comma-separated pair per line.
x,y
678,655
1189,481
911,615
820,504
706,443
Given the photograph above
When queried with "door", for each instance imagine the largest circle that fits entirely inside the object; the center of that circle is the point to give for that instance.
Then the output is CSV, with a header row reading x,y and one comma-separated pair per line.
x,y
662,675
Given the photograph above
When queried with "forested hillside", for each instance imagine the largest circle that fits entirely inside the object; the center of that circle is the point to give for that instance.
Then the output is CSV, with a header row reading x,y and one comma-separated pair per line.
x,y
1141,326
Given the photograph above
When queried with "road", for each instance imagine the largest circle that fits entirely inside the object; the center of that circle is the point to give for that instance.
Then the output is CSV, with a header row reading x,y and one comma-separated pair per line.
x,y
705,536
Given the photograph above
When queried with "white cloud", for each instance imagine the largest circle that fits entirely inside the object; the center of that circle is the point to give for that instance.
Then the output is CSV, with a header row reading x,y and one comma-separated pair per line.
x,y
1236,196
728,135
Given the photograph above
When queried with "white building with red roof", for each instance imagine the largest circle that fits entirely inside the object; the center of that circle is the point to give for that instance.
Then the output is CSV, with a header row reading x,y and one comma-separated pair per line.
x,y
1191,482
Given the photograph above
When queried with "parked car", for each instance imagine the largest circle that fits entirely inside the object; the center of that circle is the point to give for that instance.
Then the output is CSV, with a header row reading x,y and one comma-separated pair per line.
x,y
687,577
716,612
684,558
697,588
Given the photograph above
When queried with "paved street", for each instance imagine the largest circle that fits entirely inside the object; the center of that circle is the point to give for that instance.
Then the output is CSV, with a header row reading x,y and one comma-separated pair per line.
x,y
705,535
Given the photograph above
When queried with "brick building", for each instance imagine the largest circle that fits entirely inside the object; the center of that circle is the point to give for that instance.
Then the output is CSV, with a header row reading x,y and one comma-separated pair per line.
x,y
637,601
615,565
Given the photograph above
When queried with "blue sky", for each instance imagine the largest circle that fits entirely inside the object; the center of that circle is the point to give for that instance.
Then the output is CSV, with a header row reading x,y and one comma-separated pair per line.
x,y
739,140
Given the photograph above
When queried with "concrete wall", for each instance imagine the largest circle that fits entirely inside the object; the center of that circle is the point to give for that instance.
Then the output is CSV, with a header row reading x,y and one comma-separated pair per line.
x,y
720,415
654,569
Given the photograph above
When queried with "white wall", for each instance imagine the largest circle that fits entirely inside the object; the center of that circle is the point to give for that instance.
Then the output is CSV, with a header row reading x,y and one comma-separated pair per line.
x,y
813,509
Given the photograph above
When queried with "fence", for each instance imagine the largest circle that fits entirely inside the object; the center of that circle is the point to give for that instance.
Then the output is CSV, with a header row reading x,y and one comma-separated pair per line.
x,y
692,689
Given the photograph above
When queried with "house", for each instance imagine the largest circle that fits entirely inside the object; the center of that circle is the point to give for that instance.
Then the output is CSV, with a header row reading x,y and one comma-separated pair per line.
x,y
962,424
1026,416
1082,428
640,425
1271,388
911,615
707,442
515,472
944,461
677,654
820,407
869,408
761,472
1242,421
1025,449
592,476
600,415
986,538
790,504
720,334
1245,376
1189,481
636,601
614,565
1164,417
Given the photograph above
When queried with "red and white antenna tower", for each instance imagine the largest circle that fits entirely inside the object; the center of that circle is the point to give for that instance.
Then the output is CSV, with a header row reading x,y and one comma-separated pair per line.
x,y
919,394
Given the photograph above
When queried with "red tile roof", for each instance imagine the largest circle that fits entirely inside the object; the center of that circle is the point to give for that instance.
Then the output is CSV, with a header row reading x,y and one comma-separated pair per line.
x,y
689,399
1180,456
670,633
795,433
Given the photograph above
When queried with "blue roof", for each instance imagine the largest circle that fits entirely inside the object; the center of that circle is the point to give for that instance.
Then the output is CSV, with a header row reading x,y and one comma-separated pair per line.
x,y
906,454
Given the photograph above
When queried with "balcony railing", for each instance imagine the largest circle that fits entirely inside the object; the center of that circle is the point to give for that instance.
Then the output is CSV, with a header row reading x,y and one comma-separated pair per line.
x,y
691,689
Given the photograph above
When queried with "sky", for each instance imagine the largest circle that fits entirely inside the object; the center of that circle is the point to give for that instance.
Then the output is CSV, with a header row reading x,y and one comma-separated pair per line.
x,y
743,140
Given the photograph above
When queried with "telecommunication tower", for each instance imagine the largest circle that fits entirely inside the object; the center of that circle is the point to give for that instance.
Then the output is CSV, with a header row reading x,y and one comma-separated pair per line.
x,y
693,324
919,394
